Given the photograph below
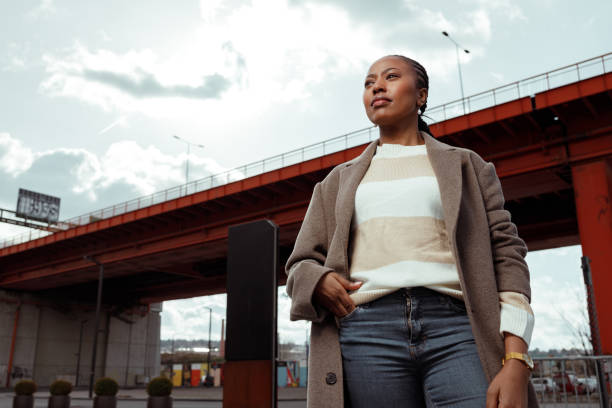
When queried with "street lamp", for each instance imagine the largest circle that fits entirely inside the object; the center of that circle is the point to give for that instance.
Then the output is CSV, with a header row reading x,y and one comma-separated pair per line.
x,y
188,149
458,66
209,328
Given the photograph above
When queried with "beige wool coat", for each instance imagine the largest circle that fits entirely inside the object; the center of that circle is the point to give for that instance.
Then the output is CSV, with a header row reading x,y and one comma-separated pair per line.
x,y
484,240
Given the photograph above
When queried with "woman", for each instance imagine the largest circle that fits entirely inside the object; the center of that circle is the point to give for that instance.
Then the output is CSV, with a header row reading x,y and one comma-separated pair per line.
x,y
423,314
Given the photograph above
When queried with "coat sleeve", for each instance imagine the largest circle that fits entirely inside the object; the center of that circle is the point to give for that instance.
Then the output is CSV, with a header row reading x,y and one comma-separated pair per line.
x,y
305,265
509,250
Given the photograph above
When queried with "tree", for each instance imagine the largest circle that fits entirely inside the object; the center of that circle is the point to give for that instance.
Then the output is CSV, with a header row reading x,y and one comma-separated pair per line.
x,y
581,330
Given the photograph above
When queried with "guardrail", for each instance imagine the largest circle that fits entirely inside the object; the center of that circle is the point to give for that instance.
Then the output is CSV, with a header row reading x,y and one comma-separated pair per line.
x,y
518,89
572,381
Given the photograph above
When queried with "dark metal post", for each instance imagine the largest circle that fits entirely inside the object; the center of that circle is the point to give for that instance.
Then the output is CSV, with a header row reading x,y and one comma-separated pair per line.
x,y
96,324
594,324
209,327
76,381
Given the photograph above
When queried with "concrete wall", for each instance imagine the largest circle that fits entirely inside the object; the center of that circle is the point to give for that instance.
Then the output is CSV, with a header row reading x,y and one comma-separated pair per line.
x,y
26,337
134,349
49,336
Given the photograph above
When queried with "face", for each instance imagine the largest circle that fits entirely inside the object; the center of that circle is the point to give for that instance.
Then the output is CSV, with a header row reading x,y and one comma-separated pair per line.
x,y
390,95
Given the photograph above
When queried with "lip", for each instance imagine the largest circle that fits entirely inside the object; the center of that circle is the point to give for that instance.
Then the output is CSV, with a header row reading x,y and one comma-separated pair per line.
x,y
380,101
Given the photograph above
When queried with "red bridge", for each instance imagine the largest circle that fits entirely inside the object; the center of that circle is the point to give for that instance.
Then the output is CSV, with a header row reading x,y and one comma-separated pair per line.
x,y
550,137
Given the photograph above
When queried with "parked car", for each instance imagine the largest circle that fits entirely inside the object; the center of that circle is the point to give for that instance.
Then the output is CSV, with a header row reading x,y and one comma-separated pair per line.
x,y
543,384
569,380
588,383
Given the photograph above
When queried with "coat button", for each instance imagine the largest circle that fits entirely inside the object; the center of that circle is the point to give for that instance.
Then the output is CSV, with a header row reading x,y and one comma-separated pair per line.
x,y
330,378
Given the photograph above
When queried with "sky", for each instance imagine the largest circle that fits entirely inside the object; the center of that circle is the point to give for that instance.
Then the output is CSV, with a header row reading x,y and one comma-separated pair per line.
x,y
91,94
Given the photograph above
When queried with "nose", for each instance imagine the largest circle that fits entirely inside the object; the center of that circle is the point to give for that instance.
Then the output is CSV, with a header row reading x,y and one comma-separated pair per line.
x,y
377,87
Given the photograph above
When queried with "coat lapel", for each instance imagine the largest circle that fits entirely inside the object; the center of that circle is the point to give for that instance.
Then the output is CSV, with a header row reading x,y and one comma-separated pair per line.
x,y
446,163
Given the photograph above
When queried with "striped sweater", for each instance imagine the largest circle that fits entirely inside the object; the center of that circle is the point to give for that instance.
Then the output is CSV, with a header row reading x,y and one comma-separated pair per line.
x,y
399,239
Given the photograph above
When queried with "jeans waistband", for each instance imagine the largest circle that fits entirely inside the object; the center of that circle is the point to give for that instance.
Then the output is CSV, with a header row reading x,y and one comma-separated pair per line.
x,y
418,291
421,291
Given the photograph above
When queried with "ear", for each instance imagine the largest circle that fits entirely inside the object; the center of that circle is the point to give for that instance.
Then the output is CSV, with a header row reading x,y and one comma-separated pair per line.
x,y
422,95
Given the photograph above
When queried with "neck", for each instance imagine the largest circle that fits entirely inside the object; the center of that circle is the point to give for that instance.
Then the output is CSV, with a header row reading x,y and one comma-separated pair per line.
x,y
407,134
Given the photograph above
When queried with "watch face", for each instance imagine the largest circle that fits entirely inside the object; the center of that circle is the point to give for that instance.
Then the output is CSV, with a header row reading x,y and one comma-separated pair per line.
x,y
528,360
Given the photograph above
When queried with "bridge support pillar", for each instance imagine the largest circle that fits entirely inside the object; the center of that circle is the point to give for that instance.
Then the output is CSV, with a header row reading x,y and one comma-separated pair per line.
x,y
593,196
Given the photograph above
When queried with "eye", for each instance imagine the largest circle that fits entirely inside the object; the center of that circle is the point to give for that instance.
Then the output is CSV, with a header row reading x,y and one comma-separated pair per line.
x,y
390,75
367,83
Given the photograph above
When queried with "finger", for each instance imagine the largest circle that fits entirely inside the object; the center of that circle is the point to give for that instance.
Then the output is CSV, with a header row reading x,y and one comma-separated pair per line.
x,y
348,302
348,284
491,398
340,309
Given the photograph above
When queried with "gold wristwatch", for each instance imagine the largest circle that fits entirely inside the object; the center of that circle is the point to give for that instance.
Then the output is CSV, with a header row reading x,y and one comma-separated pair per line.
x,y
520,356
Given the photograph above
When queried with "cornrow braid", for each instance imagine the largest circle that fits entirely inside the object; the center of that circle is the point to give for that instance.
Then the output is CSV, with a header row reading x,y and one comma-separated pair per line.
x,y
422,81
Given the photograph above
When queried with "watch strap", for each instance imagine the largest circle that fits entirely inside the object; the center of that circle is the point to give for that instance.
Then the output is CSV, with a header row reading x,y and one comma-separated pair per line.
x,y
519,356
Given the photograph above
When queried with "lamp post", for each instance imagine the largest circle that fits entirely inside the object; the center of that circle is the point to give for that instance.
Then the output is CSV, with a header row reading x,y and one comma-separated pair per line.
x,y
209,328
188,150
97,322
458,66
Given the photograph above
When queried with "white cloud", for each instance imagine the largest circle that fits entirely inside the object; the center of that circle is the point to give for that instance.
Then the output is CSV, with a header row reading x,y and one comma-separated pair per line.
x,y
559,313
558,297
15,158
188,319
71,171
272,55
478,25
137,81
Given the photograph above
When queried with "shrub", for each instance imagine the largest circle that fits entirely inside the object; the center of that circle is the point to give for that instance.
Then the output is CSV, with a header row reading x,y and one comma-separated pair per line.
x,y
25,387
60,387
106,386
159,387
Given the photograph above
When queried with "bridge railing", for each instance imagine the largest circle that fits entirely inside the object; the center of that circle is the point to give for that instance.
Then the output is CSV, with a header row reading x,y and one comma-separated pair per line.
x,y
305,153
524,87
528,86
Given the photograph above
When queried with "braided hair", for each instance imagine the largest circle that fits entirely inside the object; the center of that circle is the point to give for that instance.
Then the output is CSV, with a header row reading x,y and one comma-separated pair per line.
x,y
422,81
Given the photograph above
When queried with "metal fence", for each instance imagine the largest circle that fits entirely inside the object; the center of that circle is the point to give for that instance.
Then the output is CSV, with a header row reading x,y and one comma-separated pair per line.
x,y
528,86
572,381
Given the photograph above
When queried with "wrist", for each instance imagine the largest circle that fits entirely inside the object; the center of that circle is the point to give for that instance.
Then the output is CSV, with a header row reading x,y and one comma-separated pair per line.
x,y
514,343
518,367
522,358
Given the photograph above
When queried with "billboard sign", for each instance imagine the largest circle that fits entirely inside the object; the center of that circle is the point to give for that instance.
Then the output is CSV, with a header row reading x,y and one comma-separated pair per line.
x,y
37,206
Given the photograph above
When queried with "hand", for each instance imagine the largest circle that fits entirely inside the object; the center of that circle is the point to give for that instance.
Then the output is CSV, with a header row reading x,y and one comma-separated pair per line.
x,y
331,292
509,387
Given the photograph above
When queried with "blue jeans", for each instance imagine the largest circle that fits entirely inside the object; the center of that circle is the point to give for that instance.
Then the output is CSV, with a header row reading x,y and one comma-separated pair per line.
x,y
411,348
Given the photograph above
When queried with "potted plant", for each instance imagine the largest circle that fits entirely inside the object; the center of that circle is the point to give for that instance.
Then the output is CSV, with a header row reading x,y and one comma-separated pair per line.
x,y
60,390
23,394
106,393
159,390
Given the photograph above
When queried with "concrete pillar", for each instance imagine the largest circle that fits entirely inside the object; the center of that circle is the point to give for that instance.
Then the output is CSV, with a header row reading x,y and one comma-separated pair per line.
x,y
592,193
26,338
47,342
